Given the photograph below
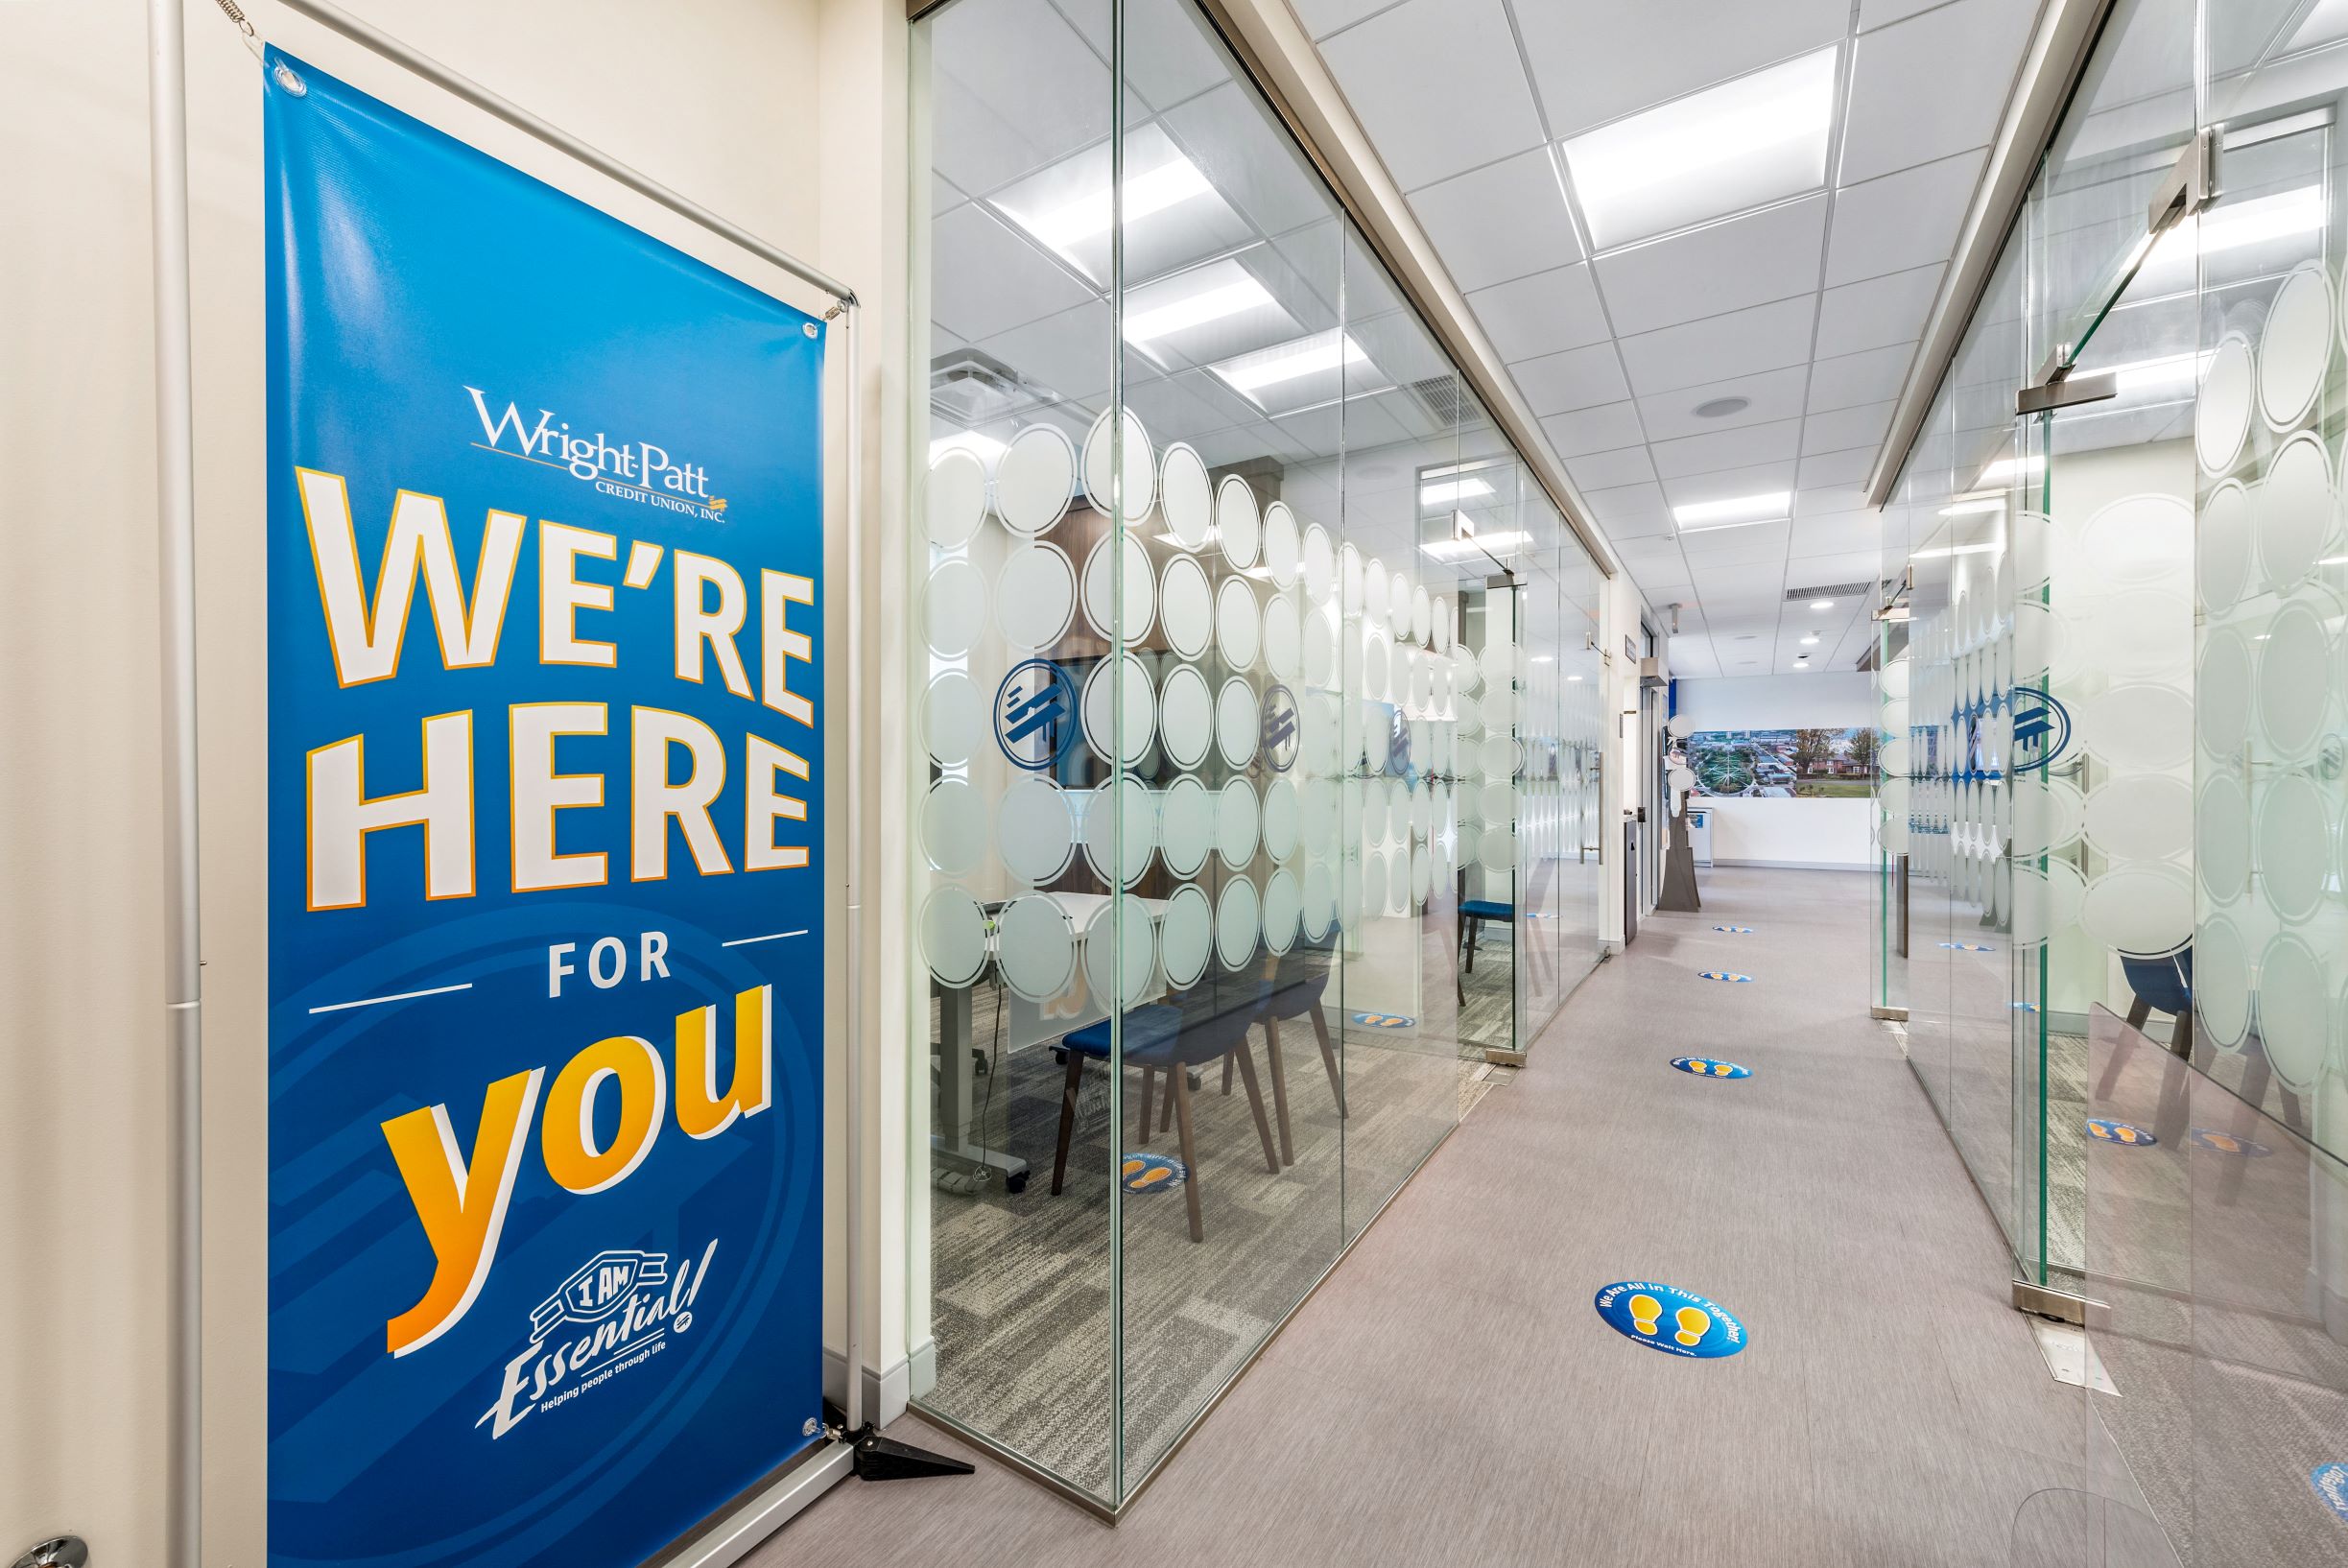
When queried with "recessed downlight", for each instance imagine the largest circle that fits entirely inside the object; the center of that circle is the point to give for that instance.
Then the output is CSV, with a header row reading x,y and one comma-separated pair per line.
x,y
1720,408
1821,603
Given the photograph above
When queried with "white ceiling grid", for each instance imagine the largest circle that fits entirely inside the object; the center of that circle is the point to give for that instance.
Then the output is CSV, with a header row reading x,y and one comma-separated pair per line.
x,y
1808,308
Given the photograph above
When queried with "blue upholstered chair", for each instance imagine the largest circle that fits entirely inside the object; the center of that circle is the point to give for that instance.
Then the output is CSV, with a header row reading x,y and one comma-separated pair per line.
x,y
1169,1040
2165,983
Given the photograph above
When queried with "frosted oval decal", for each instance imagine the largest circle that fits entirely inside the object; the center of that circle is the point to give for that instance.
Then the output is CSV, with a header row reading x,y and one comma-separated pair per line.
x,y
2293,681
1119,973
2221,838
1120,829
1236,917
953,720
1283,906
1282,813
1186,717
1187,818
1186,932
1319,564
2294,1011
2140,816
2294,510
2222,694
1140,467
2221,982
1376,585
1035,947
954,937
1110,742
1283,638
1035,830
2144,910
2138,727
952,826
1186,607
954,608
1281,545
1238,526
2139,541
2296,347
2221,551
955,497
2221,416
1186,497
1319,904
1035,596
2294,846
1101,601
1238,722
1237,817
1238,631
1035,478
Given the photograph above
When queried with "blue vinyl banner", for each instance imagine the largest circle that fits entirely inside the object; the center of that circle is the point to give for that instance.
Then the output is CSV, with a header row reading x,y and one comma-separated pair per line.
x,y
545,866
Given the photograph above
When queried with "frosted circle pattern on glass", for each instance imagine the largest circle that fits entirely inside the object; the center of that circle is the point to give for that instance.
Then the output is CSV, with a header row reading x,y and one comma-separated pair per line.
x,y
952,826
2222,551
1140,467
953,719
1187,606
954,608
1283,638
1186,825
2294,510
956,500
1282,814
1283,908
1186,497
1238,722
1101,599
2223,693
1238,631
2221,982
1127,813
1035,479
1110,741
2139,728
2294,846
1236,524
2221,838
2294,1001
1237,817
1035,947
2140,816
1319,564
1186,717
954,936
2296,348
1186,934
2221,418
1035,829
1035,596
2144,910
1281,545
2293,681
1119,974
1237,915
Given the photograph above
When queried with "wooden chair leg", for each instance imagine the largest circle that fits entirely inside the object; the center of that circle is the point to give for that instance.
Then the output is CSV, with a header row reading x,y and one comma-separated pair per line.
x,y
1255,1103
2138,1011
1148,1081
1226,1075
1279,1088
1068,1118
1165,1115
1190,1155
1328,1057
1475,929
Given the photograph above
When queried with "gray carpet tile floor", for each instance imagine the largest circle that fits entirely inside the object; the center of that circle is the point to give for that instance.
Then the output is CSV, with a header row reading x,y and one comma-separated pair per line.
x,y
1449,1395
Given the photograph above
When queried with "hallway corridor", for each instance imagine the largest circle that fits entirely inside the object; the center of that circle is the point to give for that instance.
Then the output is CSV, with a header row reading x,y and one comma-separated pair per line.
x,y
1450,1396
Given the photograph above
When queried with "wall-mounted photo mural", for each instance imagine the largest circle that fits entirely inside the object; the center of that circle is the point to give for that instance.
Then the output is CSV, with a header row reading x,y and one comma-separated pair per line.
x,y
1782,764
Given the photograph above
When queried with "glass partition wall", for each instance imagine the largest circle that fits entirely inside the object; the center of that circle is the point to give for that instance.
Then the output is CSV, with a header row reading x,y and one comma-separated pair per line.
x,y
2143,725
1255,681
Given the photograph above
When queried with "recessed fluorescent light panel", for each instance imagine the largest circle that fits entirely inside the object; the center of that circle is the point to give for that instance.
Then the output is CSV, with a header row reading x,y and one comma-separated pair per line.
x,y
1301,373
1174,215
1444,493
1477,544
1770,507
1760,138
1210,311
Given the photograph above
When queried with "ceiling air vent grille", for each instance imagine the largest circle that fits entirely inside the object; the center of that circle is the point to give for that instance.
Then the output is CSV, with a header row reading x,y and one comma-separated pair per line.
x,y
1830,590
1446,398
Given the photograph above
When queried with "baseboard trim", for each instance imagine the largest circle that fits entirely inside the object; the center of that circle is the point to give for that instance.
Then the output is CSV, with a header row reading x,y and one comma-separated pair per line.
x,y
1797,864
887,1392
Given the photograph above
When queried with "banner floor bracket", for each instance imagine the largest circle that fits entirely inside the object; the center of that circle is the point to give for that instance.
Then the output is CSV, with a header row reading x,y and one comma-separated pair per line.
x,y
884,1459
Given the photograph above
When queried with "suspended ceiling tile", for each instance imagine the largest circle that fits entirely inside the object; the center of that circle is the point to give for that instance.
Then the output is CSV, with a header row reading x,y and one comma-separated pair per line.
x,y
1501,221
1599,470
1900,221
1728,483
1840,534
1596,60
1772,394
1862,425
1932,85
1715,450
1003,126
1323,17
1738,343
1626,500
1845,468
1848,380
1542,314
1002,281
1438,86
1880,311
1594,430
1726,266
1578,378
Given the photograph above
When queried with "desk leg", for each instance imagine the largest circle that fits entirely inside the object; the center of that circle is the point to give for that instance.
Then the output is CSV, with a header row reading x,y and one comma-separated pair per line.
x,y
953,1136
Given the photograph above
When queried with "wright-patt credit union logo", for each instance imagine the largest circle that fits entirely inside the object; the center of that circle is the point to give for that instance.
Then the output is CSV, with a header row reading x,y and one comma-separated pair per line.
x,y
616,1312
1035,714
643,471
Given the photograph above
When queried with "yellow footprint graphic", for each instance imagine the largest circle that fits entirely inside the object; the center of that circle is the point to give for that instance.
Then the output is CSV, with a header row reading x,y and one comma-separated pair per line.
x,y
1644,1312
1693,1321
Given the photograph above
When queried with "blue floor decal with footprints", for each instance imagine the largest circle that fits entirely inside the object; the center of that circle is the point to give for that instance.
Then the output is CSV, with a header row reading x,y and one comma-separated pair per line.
x,y
1711,1067
1729,975
1668,1319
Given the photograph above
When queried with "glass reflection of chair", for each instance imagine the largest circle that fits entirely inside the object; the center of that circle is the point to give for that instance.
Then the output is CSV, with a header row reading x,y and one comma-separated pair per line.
x,y
1162,1040
1287,992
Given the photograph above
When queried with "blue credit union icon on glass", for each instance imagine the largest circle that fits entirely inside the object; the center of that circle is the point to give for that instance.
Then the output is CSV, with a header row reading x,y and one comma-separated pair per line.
x,y
1036,711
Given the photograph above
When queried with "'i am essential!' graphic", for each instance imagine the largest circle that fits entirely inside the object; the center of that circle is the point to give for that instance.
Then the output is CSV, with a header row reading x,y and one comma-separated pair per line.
x,y
1668,1319
1711,1067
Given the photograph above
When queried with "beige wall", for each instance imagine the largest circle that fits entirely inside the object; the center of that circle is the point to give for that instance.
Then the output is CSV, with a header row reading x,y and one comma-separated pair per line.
x,y
785,117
